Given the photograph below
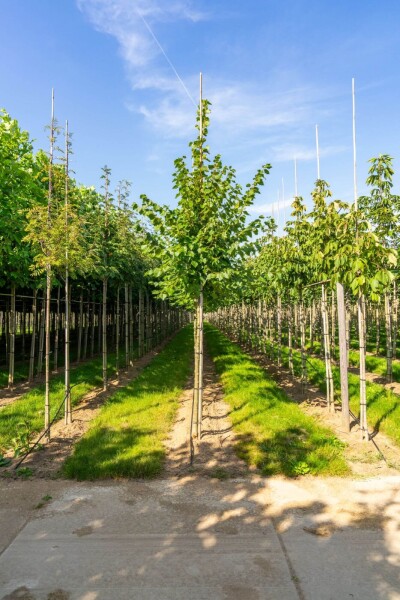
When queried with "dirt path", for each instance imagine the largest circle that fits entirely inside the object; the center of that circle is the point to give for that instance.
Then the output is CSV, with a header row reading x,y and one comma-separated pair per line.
x,y
47,462
214,455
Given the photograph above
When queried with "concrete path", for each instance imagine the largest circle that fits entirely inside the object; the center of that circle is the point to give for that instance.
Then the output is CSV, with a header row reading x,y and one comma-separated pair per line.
x,y
206,539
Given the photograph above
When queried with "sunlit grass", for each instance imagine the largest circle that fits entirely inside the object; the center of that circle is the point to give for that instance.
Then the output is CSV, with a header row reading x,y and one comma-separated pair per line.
x,y
383,406
275,435
126,438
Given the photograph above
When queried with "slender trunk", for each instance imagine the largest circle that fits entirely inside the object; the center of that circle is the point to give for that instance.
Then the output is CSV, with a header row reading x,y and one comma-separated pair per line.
x,y
12,339
363,385
344,383
290,342
312,318
23,327
302,319
279,329
117,338
41,337
47,355
126,315
196,371
148,323
80,327
92,326
326,344
67,345
389,346
333,322
33,338
200,365
141,322
378,331
57,331
394,320
130,326
104,345
86,331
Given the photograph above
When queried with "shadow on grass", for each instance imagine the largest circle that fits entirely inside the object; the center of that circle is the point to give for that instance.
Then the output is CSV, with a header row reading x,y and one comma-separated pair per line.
x,y
274,434
115,453
126,438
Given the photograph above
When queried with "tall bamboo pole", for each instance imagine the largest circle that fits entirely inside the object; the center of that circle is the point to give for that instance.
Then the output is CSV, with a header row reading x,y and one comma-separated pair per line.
x,y
199,357
67,384
48,278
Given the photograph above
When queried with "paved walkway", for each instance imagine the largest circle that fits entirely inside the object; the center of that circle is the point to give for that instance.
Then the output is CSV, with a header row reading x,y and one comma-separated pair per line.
x,y
201,538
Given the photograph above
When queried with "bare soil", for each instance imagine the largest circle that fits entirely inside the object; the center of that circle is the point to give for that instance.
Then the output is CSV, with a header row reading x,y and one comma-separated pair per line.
x,y
214,454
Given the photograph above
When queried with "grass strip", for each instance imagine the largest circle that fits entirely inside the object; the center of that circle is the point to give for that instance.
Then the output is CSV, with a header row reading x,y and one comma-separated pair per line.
x,y
126,438
25,416
275,435
383,406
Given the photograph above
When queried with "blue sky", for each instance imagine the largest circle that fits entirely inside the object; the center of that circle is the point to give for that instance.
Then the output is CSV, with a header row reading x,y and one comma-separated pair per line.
x,y
272,69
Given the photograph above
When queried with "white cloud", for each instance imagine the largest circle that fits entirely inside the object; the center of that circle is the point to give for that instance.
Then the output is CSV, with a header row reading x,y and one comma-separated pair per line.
x,y
243,114
271,208
290,151
124,20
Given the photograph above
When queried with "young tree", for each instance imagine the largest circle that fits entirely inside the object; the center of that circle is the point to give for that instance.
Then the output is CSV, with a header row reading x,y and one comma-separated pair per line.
x,y
201,245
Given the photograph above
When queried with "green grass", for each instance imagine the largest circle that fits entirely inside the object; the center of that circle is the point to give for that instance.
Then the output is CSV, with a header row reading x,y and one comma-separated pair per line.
x,y
27,413
126,438
275,435
383,406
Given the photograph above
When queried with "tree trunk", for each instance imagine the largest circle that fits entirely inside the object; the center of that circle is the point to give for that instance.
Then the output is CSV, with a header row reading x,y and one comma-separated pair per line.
x,y
33,338
395,304
344,382
47,355
302,319
67,346
200,365
141,323
148,323
92,326
378,331
80,328
389,346
326,344
12,339
363,385
86,331
104,332
117,337
130,326
126,324
57,331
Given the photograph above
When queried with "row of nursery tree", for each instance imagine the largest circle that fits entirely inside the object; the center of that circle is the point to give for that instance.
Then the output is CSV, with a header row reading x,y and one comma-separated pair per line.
x,y
72,269
203,255
331,272
331,275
